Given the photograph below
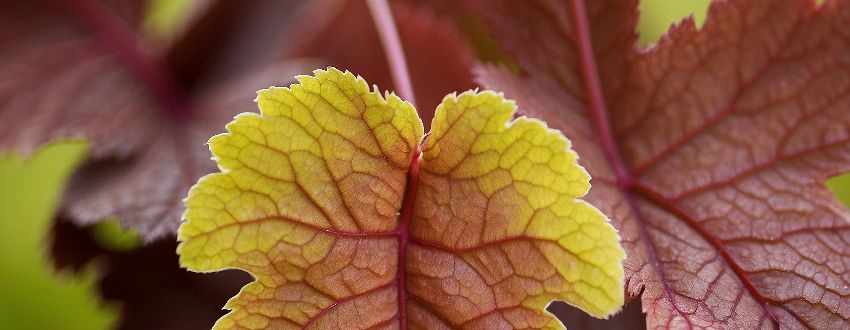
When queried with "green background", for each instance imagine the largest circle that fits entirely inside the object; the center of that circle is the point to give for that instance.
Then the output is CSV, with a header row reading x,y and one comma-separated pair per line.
x,y
32,296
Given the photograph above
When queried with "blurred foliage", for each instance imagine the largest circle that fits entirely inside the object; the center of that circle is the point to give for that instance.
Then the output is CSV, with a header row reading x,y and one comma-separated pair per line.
x,y
33,297
840,186
110,235
163,18
656,16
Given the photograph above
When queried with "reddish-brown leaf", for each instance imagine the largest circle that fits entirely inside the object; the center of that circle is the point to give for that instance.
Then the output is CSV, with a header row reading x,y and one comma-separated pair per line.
x,y
73,70
709,151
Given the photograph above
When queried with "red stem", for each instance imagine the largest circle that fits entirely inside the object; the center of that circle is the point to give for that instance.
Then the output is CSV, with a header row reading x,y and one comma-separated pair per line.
x,y
388,33
123,40
404,235
592,85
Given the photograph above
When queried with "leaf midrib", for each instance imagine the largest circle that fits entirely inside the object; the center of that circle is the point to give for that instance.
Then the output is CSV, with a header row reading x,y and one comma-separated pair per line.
x,y
626,183
408,202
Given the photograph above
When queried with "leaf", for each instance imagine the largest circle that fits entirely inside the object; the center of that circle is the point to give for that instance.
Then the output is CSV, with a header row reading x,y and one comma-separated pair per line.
x,y
28,191
140,123
840,186
709,151
327,198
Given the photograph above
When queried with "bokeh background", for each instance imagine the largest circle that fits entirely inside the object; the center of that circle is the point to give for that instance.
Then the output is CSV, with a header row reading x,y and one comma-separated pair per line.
x,y
34,296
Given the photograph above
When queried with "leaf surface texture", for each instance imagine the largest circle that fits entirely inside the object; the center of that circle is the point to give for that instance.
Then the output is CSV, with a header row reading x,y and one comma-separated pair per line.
x,y
328,199
709,150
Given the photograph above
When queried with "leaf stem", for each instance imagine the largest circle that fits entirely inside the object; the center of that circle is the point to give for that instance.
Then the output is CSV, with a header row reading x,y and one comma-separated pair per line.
x,y
388,33
122,39
593,86
404,235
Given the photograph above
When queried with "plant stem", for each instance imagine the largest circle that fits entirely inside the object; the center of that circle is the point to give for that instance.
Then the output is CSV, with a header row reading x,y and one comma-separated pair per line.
x,y
388,33
403,231
122,40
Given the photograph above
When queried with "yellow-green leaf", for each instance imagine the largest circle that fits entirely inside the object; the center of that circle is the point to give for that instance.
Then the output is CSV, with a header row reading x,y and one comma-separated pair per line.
x,y
349,218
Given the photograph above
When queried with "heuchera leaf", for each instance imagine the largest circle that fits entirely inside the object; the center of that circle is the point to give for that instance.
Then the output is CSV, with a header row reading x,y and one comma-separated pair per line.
x,y
709,150
348,218
61,81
